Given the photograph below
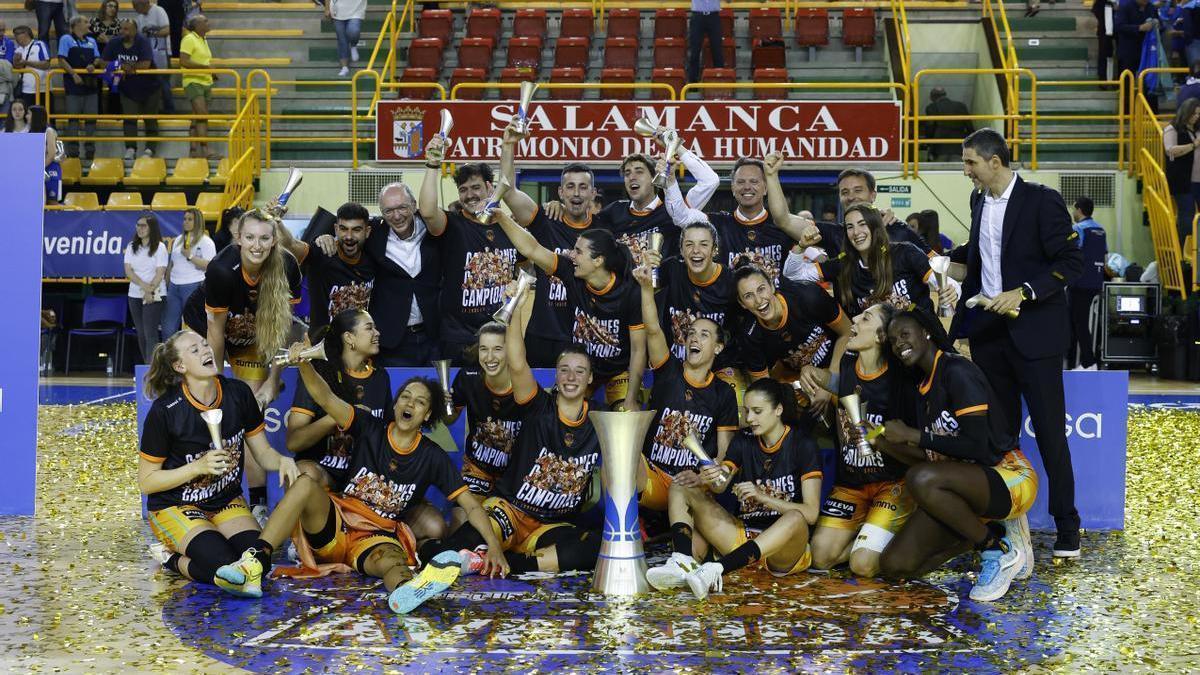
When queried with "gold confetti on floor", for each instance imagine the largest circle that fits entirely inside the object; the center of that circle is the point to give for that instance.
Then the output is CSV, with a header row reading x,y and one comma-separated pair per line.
x,y
81,594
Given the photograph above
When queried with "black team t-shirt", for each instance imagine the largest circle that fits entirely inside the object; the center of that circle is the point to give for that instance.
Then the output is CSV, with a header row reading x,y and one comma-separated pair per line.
x,y
493,423
910,280
779,471
684,407
226,289
479,262
602,319
391,480
633,227
955,388
801,337
552,315
372,389
683,300
757,240
175,435
889,395
549,474
337,283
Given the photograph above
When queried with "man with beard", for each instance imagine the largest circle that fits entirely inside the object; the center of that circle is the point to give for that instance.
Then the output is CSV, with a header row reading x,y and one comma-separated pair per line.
x,y
339,276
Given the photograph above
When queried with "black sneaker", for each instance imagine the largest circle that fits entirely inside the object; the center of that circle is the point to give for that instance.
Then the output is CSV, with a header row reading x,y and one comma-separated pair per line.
x,y
1066,545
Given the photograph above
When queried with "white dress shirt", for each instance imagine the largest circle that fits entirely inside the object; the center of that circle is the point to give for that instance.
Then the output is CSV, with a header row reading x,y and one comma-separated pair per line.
x,y
991,238
406,253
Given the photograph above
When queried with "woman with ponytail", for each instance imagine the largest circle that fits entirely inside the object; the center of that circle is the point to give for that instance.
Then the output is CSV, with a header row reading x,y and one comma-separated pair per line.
x,y
775,473
872,269
194,490
244,309
191,252
323,452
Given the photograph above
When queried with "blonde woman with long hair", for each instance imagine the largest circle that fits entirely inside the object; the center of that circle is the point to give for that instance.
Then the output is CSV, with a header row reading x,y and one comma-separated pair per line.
x,y
191,252
244,309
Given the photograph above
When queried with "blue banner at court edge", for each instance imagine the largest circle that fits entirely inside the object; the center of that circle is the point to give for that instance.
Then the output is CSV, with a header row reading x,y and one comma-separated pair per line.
x,y
92,243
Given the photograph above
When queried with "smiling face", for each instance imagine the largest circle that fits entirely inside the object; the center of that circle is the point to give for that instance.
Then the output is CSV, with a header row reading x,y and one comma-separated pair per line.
x,y
698,250
703,342
256,238
350,236
491,354
195,356
866,330
586,264
397,209
762,416
473,193
909,342
364,339
757,296
858,232
413,406
749,187
143,230
576,193
854,189
639,182
572,375
980,171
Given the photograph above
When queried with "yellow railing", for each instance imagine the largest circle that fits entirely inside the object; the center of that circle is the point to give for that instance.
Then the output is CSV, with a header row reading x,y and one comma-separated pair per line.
x,y
904,49
244,159
1008,63
1121,88
355,117
1010,116
1163,232
1146,136
650,86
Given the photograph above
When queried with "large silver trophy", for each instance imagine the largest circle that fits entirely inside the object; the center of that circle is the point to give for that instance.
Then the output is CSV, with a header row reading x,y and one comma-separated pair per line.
x,y
984,301
940,265
446,124
646,128
671,138
693,445
315,352
656,244
484,215
212,419
621,568
854,410
521,119
524,283
443,375
293,182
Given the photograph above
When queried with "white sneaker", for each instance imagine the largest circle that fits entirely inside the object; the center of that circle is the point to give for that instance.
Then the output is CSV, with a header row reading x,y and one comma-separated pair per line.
x,y
260,514
160,553
996,572
705,579
1018,534
129,153
344,71
354,54
671,573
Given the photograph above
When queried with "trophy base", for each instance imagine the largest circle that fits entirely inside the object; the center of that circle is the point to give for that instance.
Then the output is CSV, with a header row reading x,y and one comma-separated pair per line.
x,y
621,572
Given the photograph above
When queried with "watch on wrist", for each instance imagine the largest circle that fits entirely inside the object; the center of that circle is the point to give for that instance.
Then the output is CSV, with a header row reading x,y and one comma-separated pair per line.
x,y
1026,292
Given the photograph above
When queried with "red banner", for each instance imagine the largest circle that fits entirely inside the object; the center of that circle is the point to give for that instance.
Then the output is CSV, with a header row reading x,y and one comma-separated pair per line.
x,y
719,132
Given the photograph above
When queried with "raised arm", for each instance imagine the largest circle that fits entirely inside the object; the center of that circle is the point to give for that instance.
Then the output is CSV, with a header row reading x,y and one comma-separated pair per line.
x,y
523,384
707,180
677,206
803,230
525,243
427,200
341,412
522,206
657,347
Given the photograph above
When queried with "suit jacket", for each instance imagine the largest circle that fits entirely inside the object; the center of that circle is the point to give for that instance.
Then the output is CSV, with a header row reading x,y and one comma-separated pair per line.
x,y
1126,20
1038,248
395,290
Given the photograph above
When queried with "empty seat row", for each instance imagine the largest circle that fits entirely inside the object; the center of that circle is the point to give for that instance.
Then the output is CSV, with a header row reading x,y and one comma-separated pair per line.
x,y
209,203
148,171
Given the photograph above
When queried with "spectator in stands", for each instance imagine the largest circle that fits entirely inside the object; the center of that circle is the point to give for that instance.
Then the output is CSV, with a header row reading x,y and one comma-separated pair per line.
x,y
152,22
78,51
194,53
34,55
106,25
177,17
50,11
9,83
190,253
39,123
17,119
1191,86
146,268
8,48
1104,50
705,22
1131,21
1183,163
1094,244
1172,17
140,94
941,104
347,16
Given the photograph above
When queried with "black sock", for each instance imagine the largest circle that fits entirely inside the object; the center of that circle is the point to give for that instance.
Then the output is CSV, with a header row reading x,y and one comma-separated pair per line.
x,y
522,562
263,551
681,538
258,495
429,549
173,563
996,532
741,556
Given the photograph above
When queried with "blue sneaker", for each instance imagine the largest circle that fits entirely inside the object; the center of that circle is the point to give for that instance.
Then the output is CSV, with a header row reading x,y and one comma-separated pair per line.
x,y
242,577
998,570
438,575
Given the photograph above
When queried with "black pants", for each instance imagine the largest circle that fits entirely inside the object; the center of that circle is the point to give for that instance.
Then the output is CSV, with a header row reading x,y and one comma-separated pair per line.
x,y
415,350
1082,341
1012,376
704,24
1103,53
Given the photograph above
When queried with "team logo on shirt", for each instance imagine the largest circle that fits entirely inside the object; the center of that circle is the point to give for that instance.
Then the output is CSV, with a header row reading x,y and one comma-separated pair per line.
x,y
385,497
240,329
492,442
599,337
485,275
782,488
667,449
208,486
811,351
557,483
568,439
355,295
898,298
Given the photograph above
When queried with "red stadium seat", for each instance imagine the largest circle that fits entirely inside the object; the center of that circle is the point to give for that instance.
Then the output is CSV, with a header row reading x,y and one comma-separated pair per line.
x,y
484,22
475,52
718,75
728,49
769,53
676,77
670,52
765,24
812,27
426,53
670,23
770,75
525,52
566,75
726,22
858,27
571,52
461,75
623,23
577,22
418,75
516,75
616,75
529,23
436,23
621,52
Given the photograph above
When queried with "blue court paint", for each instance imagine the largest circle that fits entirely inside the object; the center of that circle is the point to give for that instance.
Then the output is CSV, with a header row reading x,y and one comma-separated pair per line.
x,y
75,394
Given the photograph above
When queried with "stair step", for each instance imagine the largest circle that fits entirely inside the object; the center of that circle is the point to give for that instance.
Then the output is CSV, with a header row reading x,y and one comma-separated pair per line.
x,y
1041,24
372,26
1046,53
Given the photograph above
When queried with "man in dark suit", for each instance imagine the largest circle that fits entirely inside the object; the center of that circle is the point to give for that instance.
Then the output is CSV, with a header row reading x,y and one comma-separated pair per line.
x,y
941,104
1022,254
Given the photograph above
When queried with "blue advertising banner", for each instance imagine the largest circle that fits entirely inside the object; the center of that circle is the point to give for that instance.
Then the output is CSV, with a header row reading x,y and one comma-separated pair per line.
x,y
92,243
22,175
1096,431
